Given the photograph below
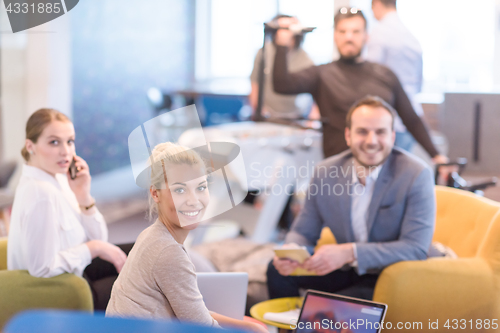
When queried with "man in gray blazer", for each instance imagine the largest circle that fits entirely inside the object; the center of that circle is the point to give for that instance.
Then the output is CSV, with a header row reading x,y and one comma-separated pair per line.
x,y
378,201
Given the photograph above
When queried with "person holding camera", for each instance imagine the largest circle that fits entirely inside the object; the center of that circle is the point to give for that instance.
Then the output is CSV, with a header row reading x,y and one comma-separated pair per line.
x,y
278,105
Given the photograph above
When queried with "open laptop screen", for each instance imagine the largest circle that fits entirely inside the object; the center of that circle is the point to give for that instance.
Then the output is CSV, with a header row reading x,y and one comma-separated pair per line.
x,y
323,312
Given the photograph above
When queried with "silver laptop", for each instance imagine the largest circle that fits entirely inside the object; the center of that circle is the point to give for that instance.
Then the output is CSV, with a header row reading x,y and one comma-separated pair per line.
x,y
324,312
224,293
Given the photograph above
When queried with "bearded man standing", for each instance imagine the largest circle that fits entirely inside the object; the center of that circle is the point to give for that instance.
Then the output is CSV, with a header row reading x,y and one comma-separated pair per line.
x,y
337,85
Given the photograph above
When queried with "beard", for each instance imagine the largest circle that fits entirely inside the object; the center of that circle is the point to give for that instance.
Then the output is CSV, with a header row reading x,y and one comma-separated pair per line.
x,y
352,57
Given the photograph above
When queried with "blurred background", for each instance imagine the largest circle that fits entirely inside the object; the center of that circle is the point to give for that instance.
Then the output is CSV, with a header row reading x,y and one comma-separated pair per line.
x,y
113,64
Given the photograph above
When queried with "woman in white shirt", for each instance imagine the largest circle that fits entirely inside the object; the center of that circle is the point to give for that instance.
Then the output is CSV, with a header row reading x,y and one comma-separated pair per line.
x,y
55,225
168,287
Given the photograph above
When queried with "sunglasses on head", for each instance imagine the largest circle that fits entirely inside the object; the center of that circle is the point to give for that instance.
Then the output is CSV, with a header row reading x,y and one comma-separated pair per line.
x,y
349,10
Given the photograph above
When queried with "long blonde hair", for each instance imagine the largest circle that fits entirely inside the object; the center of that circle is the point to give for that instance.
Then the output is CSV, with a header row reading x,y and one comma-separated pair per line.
x,y
163,155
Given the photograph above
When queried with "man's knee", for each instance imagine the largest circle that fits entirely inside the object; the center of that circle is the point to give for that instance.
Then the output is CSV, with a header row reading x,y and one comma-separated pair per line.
x,y
279,285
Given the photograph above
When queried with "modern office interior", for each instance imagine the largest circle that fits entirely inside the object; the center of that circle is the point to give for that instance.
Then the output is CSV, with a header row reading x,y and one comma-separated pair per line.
x,y
118,68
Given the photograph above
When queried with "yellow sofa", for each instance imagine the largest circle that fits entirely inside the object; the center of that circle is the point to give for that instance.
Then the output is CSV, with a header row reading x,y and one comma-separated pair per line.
x,y
20,291
466,289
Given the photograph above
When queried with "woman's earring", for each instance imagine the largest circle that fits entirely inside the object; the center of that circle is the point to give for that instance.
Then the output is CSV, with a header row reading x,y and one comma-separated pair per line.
x,y
31,152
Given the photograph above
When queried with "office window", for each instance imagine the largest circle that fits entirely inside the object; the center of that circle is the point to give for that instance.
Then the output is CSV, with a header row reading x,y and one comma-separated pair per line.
x,y
236,33
319,14
458,41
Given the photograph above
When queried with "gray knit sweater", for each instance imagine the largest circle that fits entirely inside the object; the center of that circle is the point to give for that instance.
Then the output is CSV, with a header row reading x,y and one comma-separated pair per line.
x,y
158,281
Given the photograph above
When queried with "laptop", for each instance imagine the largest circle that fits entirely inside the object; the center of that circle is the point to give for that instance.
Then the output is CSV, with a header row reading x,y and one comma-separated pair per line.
x,y
224,293
324,312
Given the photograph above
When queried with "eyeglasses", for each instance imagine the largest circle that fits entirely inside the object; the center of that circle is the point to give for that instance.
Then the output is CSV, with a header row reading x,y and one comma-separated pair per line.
x,y
352,10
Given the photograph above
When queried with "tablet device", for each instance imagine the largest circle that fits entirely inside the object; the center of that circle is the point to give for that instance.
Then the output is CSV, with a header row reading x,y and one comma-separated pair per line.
x,y
298,254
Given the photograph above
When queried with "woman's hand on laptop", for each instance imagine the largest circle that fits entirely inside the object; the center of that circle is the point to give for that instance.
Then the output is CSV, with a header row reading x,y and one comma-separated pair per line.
x,y
257,328
228,322
329,258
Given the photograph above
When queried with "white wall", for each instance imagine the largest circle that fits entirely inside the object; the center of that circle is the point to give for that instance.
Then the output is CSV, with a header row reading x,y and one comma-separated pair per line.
x,y
35,72
496,68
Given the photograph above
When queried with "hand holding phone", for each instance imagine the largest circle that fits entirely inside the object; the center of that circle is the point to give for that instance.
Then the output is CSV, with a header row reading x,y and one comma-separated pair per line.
x,y
79,181
73,170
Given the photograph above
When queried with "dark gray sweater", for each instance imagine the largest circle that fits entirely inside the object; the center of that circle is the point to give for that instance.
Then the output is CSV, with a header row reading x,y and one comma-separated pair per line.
x,y
337,85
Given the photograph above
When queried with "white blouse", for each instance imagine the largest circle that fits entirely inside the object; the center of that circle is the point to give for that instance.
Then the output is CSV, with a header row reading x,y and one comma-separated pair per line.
x,y
48,231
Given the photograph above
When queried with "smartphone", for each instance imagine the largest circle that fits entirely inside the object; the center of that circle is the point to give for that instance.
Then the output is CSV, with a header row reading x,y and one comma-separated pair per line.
x,y
73,169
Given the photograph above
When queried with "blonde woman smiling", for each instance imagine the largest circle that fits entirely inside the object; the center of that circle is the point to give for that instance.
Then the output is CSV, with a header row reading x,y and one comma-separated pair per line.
x,y
158,279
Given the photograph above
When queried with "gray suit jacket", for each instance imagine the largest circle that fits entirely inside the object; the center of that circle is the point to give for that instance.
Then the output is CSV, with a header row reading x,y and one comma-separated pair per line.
x,y
401,214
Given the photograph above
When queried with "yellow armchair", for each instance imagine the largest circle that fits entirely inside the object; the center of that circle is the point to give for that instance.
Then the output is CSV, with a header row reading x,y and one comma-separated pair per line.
x,y
3,253
20,291
466,289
